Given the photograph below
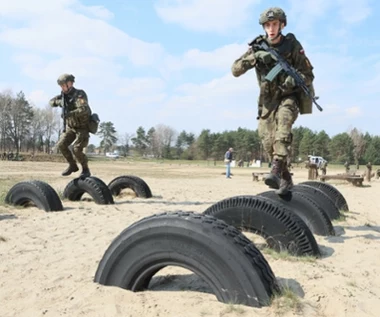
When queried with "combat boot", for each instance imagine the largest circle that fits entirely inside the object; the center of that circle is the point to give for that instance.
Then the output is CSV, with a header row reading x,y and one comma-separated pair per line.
x,y
286,183
273,179
73,167
85,172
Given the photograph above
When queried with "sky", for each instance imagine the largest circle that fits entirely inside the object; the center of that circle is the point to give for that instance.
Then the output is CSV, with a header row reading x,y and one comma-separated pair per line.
x,y
149,62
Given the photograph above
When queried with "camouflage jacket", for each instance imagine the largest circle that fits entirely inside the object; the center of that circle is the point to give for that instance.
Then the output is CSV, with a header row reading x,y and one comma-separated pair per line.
x,y
291,49
78,111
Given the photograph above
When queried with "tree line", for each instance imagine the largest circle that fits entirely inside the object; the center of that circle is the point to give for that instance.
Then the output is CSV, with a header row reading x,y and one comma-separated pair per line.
x,y
25,128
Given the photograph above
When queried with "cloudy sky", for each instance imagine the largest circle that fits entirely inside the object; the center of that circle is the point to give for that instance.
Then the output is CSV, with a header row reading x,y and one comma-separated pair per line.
x,y
148,62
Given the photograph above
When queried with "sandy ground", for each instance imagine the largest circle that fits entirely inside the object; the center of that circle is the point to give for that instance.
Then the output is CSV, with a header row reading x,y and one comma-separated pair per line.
x,y
48,260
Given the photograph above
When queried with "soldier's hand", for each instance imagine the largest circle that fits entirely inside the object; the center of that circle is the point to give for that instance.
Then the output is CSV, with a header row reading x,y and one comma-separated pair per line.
x,y
264,56
289,82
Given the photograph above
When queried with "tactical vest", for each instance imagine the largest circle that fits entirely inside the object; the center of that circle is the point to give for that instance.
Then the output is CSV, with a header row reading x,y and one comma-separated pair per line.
x,y
270,93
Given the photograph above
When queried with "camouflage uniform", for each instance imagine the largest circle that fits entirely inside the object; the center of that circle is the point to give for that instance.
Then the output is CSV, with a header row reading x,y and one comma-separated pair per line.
x,y
347,166
77,130
278,102
324,167
369,171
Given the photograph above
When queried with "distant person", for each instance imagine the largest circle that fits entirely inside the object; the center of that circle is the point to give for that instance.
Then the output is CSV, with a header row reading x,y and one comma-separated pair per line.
x,y
347,167
227,161
324,167
369,171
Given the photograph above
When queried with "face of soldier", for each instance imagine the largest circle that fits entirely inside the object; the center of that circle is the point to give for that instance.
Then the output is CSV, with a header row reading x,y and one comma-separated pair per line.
x,y
272,28
67,86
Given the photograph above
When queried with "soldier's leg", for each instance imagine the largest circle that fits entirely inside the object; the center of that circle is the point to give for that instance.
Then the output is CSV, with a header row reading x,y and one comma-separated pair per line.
x,y
286,115
83,136
63,144
266,131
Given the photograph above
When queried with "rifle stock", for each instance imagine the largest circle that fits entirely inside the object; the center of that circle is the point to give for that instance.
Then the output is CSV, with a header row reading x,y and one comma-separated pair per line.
x,y
63,105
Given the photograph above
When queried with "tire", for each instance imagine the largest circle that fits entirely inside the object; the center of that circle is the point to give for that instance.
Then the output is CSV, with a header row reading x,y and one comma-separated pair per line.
x,y
334,194
37,192
94,186
135,183
323,200
282,229
230,263
307,209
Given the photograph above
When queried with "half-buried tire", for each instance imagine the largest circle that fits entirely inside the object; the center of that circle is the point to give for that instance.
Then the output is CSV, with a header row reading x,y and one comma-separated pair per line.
x,y
320,198
138,185
222,256
34,192
307,209
330,190
282,229
93,186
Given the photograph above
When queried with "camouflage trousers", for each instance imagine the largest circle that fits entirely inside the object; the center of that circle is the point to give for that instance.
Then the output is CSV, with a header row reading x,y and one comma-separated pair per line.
x,y
275,131
81,137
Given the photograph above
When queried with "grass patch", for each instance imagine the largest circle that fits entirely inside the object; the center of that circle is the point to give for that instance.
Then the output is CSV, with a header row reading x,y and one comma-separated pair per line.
x,y
232,309
286,256
287,301
352,284
341,218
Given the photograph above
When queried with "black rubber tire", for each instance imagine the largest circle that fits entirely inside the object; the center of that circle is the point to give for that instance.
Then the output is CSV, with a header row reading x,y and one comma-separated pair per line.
x,y
230,263
330,190
93,186
282,229
41,194
323,200
138,185
307,209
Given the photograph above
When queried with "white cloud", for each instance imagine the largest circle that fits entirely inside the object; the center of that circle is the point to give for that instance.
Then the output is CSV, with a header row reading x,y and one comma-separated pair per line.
x,y
98,12
353,111
211,15
63,37
38,97
219,59
354,11
37,68
140,87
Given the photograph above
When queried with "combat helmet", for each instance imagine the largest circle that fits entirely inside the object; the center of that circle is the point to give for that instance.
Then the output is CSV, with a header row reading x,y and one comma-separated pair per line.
x,y
64,78
271,14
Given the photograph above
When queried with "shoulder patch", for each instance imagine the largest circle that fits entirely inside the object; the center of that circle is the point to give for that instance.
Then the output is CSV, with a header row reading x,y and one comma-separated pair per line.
x,y
302,51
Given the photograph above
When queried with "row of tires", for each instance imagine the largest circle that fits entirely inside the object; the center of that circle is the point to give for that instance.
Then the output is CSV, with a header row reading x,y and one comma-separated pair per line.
x,y
211,244
43,196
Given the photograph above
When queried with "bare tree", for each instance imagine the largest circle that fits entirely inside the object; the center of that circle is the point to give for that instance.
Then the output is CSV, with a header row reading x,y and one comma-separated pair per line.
x,y
20,116
37,130
164,136
359,142
52,122
5,105
124,142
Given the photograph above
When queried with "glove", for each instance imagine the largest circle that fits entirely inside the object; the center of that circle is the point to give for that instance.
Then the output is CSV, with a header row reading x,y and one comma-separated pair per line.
x,y
289,82
264,56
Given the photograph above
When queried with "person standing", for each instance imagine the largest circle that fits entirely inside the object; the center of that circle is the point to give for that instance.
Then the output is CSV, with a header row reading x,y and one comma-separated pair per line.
x,y
227,160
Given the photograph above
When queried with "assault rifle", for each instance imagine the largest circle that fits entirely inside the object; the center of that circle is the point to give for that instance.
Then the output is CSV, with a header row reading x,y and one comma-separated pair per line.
x,y
64,111
282,65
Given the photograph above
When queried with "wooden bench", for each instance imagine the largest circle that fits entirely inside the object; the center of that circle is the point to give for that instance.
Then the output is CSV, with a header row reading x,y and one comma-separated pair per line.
x,y
356,180
256,175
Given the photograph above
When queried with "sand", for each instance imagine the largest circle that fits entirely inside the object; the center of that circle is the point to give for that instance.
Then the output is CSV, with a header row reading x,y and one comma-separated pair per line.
x,y
48,260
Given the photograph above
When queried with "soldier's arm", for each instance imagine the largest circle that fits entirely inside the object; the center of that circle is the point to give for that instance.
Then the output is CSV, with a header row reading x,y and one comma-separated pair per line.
x,y
82,109
244,63
55,101
302,63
